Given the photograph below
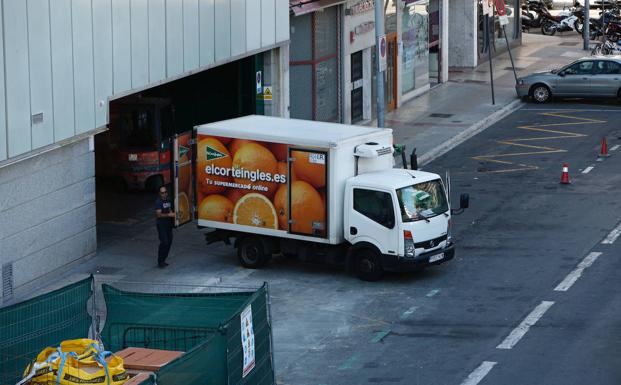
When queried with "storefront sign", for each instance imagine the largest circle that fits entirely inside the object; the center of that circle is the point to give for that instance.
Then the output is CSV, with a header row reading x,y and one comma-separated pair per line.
x,y
361,29
360,7
502,12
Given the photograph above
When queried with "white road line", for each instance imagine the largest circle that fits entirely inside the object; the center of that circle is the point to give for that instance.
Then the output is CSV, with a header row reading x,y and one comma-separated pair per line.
x,y
530,320
588,169
574,275
479,373
615,147
612,237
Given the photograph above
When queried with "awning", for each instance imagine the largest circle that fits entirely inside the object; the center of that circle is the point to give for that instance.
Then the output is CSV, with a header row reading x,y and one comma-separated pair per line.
x,y
302,7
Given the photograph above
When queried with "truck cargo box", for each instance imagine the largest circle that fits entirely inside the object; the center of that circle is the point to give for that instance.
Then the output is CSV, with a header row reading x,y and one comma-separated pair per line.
x,y
281,177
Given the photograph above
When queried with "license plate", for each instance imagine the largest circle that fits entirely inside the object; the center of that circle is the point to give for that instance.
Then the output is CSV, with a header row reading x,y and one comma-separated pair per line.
x,y
436,257
132,157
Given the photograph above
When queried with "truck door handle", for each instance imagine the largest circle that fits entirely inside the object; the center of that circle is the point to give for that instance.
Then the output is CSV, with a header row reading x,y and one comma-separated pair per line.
x,y
353,230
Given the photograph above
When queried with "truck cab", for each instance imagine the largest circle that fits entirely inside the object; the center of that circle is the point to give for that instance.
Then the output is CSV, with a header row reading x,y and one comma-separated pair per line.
x,y
396,220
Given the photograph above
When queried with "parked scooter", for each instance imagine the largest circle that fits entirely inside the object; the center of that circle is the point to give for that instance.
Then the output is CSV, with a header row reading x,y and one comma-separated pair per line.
x,y
531,14
607,48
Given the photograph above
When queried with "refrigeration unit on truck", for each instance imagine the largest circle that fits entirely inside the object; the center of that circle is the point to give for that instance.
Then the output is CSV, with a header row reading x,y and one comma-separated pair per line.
x,y
313,190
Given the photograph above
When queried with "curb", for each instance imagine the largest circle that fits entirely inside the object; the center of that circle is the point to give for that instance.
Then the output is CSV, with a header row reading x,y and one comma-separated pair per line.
x,y
469,132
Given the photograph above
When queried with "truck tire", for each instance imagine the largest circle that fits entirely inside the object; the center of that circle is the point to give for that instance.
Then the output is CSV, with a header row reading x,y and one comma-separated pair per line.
x,y
251,252
368,265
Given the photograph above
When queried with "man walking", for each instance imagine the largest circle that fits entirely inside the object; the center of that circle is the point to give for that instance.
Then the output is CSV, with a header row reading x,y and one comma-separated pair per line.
x,y
164,216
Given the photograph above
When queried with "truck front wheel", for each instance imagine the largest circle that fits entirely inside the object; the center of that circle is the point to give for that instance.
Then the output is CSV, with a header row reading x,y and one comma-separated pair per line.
x,y
368,266
251,253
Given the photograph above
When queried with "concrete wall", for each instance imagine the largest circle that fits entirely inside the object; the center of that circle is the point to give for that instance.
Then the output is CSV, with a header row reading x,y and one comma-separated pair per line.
x,y
462,33
62,60
47,212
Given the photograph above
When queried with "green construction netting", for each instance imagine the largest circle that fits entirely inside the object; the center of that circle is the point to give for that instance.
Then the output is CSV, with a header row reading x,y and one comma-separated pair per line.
x,y
28,327
176,321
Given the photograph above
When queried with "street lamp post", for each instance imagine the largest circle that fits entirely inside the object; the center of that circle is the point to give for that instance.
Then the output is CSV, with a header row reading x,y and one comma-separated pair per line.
x,y
379,75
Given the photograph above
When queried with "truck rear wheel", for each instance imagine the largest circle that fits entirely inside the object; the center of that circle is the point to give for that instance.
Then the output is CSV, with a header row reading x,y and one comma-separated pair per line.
x,y
368,266
251,253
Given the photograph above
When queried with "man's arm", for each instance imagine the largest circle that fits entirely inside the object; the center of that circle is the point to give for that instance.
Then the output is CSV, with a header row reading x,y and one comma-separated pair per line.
x,y
159,214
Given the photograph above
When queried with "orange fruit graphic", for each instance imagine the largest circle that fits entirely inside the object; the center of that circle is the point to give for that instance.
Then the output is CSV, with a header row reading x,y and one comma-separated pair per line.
x,y
225,161
216,208
236,144
183,208
313,173
255,210
282,170
279,150
223,140
322,193
253,157
185,172
307,208
234,194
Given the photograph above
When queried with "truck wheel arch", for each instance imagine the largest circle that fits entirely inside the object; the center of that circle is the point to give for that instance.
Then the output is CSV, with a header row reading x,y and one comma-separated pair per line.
x,y
351,254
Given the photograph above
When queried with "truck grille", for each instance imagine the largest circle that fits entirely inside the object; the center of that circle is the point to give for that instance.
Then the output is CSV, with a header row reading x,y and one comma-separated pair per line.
x,y
430,244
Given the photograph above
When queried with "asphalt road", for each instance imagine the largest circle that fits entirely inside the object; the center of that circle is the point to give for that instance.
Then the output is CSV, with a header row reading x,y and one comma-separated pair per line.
x,y
492,316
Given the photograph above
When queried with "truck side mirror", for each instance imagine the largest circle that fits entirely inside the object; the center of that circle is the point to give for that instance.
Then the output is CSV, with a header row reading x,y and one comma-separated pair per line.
x,y
464,201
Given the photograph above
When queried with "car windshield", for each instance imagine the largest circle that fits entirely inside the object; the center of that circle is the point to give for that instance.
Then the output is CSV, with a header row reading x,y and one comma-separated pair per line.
x,y
422,200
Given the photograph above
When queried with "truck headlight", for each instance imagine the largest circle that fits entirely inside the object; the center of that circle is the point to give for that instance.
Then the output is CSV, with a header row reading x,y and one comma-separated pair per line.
x,y
408,245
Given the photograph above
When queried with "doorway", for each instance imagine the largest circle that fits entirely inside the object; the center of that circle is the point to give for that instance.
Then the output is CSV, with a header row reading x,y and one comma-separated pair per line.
x,y
390,76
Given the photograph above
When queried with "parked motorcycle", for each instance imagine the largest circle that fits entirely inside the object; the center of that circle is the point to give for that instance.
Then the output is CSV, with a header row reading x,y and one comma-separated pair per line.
x,y
531,14
563,22
607,48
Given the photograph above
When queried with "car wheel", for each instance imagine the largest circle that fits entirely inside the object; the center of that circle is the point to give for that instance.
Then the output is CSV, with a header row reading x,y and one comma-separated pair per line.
x,y
251,253
541,93
368,265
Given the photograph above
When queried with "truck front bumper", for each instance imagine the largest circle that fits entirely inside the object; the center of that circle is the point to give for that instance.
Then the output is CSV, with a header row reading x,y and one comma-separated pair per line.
x,y
395,263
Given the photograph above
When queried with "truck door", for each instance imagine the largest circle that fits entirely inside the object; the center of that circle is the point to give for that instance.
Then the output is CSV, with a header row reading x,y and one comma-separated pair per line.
x,y
183,181
307,192
372,219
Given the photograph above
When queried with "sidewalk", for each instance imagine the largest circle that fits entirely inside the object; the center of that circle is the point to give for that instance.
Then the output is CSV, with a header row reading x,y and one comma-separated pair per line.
x,y
452,112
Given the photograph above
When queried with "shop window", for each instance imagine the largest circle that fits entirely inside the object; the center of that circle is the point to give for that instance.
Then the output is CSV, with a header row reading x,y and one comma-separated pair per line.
x,y
415,37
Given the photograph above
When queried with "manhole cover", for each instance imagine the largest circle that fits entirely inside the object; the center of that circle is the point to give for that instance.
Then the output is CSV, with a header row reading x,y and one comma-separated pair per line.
x,y
437,115
106,270
569,43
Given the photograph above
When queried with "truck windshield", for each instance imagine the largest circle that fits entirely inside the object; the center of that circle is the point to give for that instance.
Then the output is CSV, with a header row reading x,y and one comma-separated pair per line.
x,y
422,200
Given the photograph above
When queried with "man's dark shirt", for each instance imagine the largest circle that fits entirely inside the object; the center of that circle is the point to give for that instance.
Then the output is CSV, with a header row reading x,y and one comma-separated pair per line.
x,y
165,206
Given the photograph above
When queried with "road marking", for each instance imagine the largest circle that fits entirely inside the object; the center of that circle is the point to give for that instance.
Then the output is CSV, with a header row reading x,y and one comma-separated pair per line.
x,y
568,110
574,275
612,237
349,363
615,147
521,330
380,335
408,312
433,292
479,373
588,169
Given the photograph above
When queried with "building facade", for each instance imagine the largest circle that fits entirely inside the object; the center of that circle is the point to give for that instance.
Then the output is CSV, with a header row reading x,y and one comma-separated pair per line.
x,y
65,61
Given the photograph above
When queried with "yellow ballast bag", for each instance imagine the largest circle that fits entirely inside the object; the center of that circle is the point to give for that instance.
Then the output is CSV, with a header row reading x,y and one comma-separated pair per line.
x,y
81,361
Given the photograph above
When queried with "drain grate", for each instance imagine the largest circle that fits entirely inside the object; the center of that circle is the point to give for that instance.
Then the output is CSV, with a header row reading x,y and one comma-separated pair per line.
x,y
7,281
438,115
569,43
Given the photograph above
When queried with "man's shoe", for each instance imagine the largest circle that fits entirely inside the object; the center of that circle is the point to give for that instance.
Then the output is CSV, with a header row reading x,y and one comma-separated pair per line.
x,y
162,265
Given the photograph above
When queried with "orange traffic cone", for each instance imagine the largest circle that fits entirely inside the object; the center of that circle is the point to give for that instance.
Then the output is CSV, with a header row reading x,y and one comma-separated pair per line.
x,y
603,153
565,174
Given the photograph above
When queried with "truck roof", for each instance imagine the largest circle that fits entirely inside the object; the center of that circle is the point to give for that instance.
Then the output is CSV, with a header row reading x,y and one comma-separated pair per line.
x,y
290,131
394,178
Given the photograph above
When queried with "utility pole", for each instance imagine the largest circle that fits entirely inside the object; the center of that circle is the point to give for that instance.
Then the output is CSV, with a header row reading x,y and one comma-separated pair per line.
x,y
379,75
585,26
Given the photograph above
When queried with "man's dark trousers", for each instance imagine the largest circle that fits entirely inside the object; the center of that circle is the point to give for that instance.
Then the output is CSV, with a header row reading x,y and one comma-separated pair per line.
x,y
164,231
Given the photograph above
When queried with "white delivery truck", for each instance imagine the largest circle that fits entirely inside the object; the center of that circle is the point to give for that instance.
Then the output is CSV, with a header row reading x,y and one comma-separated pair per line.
x,y
313,190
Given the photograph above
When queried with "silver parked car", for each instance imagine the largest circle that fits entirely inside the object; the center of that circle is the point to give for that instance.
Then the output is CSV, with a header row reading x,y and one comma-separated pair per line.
x,y
593,76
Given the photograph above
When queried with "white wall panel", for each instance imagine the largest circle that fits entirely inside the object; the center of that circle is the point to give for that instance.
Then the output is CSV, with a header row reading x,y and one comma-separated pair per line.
x,y
102,40
157,40
268,19
207,31
238,27
18,79
121,45
190,35
62,69
253,24
282,20
174,37
3,152
140,42
83,68
40,72
223,29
